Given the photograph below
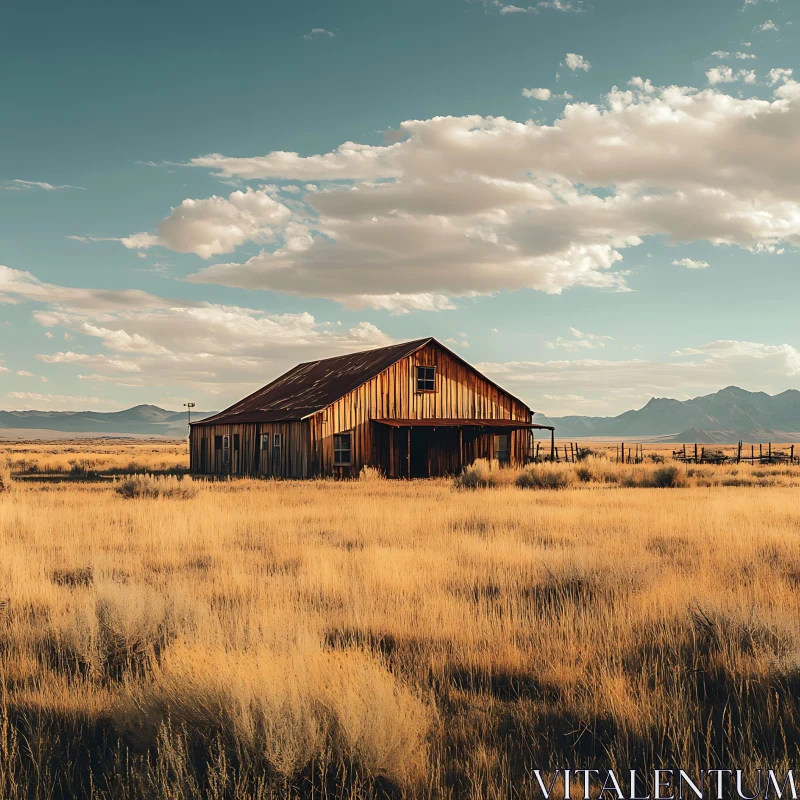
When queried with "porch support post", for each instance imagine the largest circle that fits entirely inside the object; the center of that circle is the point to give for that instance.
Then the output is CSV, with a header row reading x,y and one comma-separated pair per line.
x,y
408,454
460,448
552,445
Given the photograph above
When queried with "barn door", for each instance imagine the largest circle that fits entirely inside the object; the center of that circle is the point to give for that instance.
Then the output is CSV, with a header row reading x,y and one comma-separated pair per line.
x,y
203,455
420,453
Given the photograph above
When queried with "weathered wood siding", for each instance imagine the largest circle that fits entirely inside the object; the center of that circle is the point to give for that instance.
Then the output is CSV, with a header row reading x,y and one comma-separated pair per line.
x,y
307,446
290,461
460,393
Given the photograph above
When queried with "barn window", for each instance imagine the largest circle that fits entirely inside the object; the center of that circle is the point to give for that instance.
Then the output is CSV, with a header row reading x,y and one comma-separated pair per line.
x,y
265,441
235,442
218,443
426,379
226,449
277,442
501,452
342,449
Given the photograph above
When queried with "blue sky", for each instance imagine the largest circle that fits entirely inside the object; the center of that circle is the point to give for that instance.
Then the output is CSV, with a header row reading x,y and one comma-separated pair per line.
x,y
597,202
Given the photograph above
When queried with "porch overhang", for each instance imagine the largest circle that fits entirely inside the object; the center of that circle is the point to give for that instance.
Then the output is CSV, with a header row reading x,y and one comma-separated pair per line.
x,y
513,424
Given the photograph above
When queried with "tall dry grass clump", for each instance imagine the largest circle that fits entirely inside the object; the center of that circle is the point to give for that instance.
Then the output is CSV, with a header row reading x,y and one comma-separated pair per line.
x,y
370,475
285,709
546,476
6,482
156,486
483,473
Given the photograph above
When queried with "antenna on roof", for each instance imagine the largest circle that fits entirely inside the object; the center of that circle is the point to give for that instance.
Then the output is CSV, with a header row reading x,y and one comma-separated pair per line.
x,y
189,407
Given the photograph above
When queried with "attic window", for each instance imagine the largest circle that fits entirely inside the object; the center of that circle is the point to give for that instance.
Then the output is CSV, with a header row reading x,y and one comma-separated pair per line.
x,y
426,379
342,449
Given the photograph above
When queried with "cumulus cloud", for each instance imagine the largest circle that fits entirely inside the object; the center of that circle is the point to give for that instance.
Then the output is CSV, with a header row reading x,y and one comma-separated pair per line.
x,y
216,225
576,62
779,75
316,33
24,373
720,75
537,94
690,263
726,74
722,54
769,25
464,206
567,6
545,94
609,387
579,341
144,340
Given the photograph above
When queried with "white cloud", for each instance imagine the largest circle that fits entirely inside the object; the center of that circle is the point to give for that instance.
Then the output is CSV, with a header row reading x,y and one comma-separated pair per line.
x,y
150,341
48,187
744,56
579,341
464,206
720,75
216,225
769,25
576,62
690,263
537,94
567,6
611,387
641,85
779,76
545,94
316,33
561,5
24,373
726,74
721,54
17,286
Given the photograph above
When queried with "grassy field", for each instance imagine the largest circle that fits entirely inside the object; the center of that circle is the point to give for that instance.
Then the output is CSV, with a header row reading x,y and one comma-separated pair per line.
x,y
375,638
81,458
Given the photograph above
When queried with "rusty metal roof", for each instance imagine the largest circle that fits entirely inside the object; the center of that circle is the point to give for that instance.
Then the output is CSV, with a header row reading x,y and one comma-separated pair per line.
x,y
310,387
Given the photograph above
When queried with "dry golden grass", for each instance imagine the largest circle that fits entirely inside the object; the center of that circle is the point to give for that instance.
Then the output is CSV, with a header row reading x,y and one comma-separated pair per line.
x,y
81,457
379,638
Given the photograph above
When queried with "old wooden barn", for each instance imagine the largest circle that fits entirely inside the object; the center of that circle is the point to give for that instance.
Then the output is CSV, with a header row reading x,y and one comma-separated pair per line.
x,y
411,410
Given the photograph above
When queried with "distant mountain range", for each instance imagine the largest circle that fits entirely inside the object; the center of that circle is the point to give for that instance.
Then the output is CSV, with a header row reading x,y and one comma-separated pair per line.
x,y
143,420
725,416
